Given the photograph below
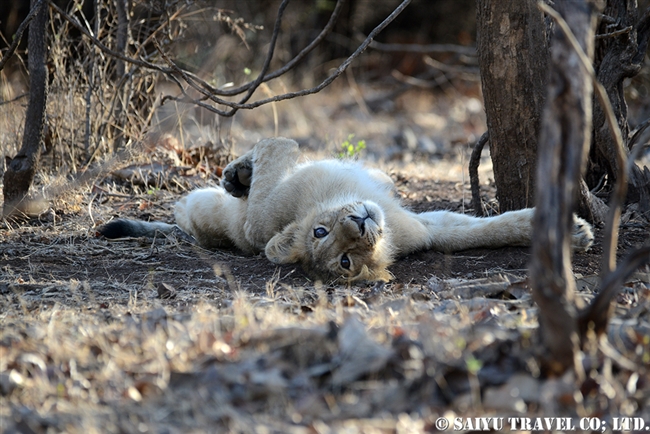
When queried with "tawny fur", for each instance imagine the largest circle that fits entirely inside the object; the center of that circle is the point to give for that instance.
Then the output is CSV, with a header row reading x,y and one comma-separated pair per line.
x,y
290,206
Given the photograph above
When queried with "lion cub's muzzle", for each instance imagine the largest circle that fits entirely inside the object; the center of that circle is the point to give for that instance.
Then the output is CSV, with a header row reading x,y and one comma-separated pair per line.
x,y
361,223
369,222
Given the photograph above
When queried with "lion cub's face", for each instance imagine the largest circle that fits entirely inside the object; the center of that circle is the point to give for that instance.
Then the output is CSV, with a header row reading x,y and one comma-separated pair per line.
x,y
349,241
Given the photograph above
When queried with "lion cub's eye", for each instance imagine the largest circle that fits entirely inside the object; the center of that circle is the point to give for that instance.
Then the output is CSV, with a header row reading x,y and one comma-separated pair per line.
x,y
345,261
320,232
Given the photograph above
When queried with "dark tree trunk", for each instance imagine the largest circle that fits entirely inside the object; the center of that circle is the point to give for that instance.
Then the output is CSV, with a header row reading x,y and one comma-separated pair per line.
x,y
121,7
564,144
620,51
21,169
513,55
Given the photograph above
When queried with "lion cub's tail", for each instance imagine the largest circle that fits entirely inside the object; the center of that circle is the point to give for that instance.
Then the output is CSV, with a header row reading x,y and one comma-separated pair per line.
x,y
122,228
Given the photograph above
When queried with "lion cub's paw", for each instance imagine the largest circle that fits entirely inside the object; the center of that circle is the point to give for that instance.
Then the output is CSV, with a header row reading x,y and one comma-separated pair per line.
x,y
582,236
237,176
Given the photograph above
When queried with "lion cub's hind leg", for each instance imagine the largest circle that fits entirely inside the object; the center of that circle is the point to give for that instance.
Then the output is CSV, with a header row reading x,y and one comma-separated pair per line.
x,y
238,176
271,159
213,218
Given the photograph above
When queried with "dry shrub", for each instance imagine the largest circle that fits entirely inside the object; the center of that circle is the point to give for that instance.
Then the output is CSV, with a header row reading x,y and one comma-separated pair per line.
x,y
92,112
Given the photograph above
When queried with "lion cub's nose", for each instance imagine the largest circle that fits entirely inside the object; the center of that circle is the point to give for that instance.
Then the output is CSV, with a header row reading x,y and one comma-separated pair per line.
x,y
361,222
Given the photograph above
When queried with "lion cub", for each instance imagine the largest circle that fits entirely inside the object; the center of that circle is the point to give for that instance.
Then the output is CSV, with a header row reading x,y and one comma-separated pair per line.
x,y
336,218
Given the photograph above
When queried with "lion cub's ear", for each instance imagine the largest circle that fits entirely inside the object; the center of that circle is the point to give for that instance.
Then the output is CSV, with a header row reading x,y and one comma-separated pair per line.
x,y
284,247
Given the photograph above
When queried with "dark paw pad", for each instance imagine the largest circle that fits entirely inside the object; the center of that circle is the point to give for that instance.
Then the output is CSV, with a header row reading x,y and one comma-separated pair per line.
x,y
237,180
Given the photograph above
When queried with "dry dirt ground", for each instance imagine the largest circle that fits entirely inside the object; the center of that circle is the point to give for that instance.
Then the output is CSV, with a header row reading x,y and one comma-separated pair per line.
x,y
161,336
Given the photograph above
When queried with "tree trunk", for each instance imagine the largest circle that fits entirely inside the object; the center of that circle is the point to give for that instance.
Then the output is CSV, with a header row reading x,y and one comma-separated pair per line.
x,y
619,55
117,130
513,55
21,169
564,145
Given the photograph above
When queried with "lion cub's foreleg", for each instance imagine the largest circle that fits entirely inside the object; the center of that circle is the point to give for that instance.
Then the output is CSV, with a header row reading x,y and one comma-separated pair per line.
x,y
254,176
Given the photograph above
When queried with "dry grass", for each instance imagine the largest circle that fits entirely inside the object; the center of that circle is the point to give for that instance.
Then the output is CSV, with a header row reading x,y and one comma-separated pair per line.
x,y
87,344
93,356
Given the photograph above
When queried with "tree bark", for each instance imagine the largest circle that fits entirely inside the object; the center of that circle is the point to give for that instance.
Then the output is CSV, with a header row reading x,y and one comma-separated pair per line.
x,y
121,7
513,56
619,55
564,144
21,169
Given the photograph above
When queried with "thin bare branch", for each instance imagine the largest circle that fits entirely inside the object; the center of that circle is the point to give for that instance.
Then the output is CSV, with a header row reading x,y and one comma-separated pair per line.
x,y
269,55
19,34
614,34
303,92
636,133
464,72
207,89
424,48
293,62
9,101
208,92
139,62
597,312
341,68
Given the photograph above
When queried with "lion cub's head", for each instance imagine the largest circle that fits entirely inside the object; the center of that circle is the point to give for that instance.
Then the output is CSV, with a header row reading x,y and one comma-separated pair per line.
x,y
349,241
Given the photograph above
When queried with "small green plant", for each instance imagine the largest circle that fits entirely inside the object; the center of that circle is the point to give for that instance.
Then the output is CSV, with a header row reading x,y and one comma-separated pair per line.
x,y
473,365
349,149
